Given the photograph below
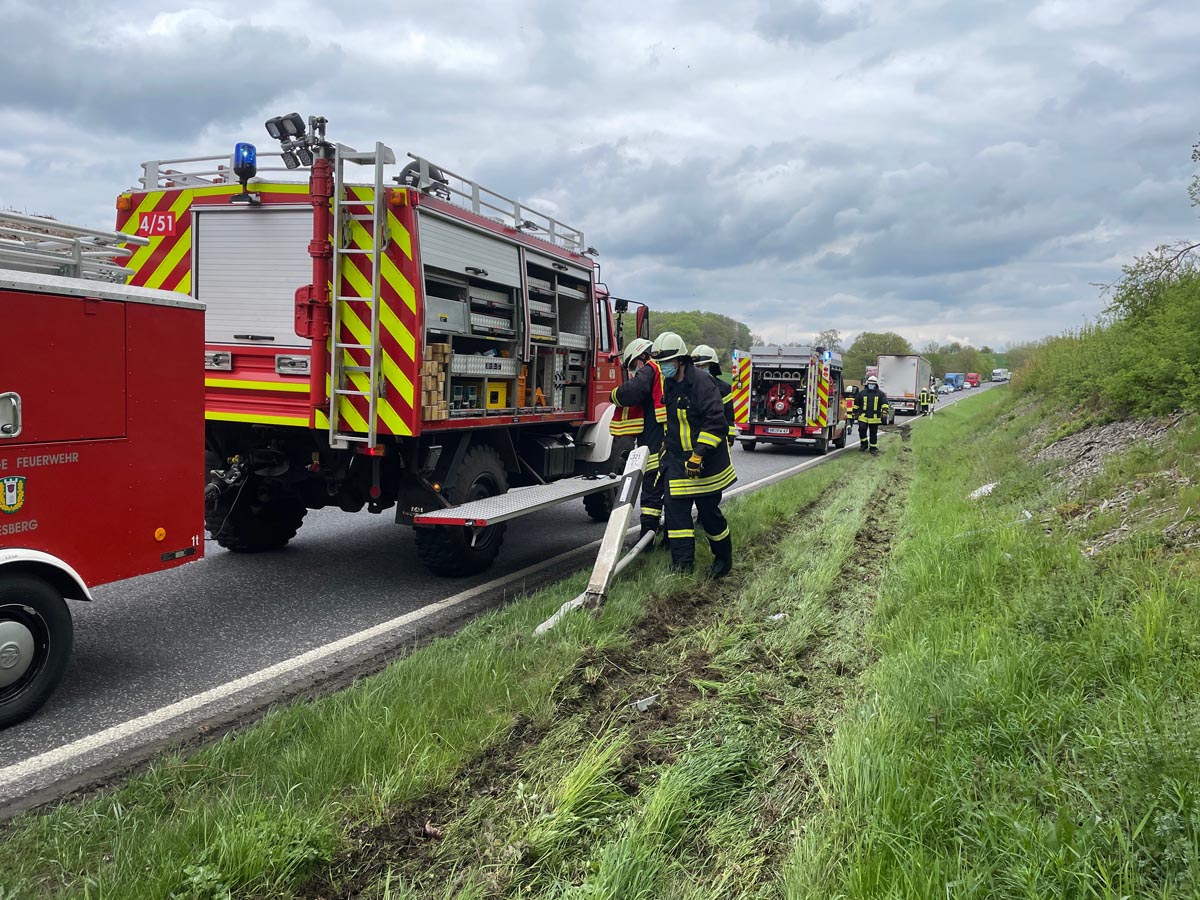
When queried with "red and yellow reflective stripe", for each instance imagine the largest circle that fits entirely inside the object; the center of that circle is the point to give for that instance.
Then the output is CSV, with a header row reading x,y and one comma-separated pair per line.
x,y
741,391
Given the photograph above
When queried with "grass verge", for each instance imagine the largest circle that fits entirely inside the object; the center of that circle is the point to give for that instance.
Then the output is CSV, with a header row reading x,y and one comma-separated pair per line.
x,y
1032,727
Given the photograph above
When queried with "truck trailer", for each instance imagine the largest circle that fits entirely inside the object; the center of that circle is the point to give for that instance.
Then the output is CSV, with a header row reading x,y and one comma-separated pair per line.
x,y
902,378
791,396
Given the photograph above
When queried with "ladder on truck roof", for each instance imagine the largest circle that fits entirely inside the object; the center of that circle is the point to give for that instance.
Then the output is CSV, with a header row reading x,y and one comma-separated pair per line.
x,y
347,378
35,244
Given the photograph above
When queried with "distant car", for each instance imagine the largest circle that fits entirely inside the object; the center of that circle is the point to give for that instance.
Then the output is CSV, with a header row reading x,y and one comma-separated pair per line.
x,y
946,389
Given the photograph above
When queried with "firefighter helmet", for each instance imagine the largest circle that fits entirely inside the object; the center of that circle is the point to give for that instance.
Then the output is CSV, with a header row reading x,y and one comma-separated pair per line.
x,y
636,348
703,355
872,381
669,345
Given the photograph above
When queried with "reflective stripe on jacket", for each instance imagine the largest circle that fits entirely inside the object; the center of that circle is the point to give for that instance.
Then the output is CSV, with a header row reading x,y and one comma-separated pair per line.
x,y
696,423
873,406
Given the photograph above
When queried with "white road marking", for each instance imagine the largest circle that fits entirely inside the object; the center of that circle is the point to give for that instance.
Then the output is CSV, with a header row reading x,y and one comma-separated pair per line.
x,y
35,765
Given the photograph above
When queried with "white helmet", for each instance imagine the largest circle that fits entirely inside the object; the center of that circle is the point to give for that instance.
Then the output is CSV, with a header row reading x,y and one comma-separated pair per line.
x,y
872,381
634,349
703,355
668,346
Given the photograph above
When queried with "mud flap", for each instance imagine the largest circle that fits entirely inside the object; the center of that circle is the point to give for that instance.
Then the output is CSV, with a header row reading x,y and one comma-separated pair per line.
x,y
611,544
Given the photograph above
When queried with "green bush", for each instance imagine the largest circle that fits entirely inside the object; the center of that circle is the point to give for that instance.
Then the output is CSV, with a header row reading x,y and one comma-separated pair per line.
x,y
1144,363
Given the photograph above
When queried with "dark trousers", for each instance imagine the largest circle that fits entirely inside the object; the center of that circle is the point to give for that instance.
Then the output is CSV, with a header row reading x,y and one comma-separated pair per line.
x,y
681,534
653,487
866,431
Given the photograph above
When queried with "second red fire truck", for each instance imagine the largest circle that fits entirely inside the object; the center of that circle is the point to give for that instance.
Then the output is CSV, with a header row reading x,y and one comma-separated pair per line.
x,y
381,336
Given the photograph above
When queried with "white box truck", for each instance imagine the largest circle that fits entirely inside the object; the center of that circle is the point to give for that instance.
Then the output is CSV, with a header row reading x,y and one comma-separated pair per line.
x,y
1000,375
902,378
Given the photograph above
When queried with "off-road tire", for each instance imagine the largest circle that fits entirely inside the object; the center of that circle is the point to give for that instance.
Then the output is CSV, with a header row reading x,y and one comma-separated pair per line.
x,y
599,505
34,604
255,517
446,549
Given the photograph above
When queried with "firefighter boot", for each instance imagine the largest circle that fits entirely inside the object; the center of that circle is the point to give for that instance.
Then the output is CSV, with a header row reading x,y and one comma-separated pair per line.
x,y
722,563
683,555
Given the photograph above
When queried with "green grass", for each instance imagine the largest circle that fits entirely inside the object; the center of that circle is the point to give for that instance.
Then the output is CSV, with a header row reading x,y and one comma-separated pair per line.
x,y
260,811
1032,728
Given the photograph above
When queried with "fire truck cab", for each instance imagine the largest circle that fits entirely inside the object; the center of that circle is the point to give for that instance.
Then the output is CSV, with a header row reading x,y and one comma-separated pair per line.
x,y
382,335
101,438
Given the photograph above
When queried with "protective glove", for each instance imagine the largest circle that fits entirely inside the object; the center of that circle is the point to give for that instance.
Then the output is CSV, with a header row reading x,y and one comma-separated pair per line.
x,y
729,440
693,466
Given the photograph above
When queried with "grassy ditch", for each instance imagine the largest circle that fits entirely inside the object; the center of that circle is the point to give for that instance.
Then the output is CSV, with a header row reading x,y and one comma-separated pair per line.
x,y
1032,727
286,804
696,795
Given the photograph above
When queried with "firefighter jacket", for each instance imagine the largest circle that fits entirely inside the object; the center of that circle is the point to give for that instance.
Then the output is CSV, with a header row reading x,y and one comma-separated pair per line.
x,y
926,397
727,399
641,410
852,407
872,406
696,424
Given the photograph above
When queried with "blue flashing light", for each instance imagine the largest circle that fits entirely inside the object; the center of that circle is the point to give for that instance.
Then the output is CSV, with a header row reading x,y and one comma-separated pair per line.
x,y
828,355
245,160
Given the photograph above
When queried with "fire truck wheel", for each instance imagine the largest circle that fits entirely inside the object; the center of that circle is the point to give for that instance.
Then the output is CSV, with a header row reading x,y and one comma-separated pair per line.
x,y
599,505
451,551
250,519
749,445
822,447
35,645
841,441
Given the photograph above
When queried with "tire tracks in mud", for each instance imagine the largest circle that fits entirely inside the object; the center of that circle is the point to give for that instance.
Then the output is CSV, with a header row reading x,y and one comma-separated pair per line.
x,y
601,687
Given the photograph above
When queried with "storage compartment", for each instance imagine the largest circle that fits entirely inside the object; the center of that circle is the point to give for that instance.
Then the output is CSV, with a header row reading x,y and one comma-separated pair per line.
x,y
465,395
551,456
492,366
573,397
445,316
497,395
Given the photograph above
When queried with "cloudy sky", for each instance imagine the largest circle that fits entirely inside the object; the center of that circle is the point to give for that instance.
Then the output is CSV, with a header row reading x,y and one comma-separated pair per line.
x,y
949,169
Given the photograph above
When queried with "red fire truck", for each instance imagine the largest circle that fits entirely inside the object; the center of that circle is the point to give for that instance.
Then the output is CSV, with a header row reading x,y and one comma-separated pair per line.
x,y
789,395
409,341
101,410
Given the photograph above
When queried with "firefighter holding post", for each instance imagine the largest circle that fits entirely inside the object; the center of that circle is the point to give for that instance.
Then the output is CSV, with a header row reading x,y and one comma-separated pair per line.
x,y
705,359
872,407
641,413
697,465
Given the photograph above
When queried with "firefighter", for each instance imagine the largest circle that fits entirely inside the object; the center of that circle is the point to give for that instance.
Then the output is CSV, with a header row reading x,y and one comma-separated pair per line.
x,y
923,401
704,358
933,396
697,464
641,412
851,406
873,410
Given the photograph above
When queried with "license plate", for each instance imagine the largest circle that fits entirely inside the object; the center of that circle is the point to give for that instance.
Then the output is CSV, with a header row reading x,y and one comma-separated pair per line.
x,y
779,431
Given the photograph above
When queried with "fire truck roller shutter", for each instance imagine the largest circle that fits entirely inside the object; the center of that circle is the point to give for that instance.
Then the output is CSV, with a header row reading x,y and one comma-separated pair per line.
x,y
249,263
445,245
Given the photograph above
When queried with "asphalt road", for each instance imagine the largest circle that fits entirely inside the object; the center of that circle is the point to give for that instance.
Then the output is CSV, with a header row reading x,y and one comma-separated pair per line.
x,y
167,657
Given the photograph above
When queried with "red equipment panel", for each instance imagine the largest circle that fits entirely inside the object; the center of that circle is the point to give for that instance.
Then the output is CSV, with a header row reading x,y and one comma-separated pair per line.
x,y
108,472
65,356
